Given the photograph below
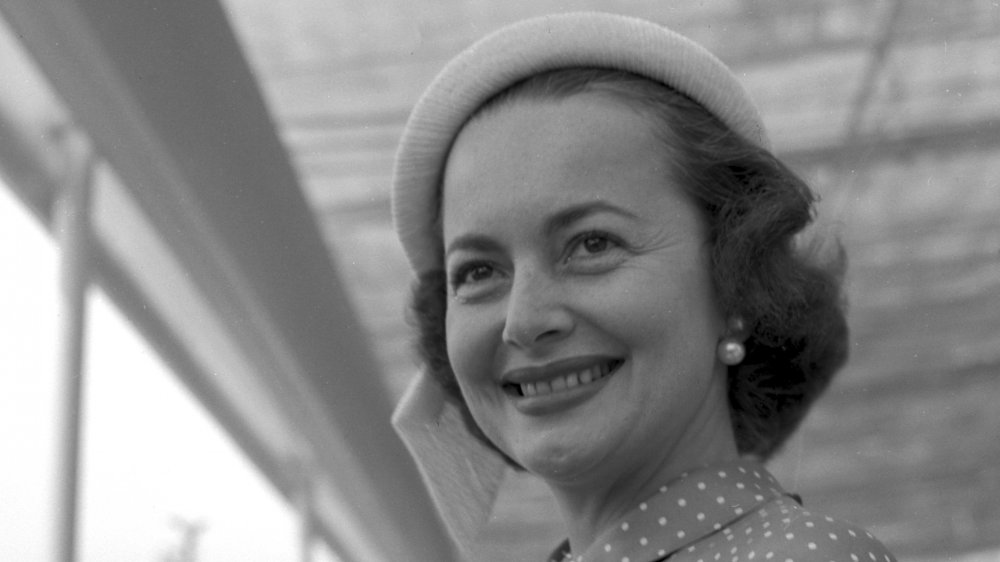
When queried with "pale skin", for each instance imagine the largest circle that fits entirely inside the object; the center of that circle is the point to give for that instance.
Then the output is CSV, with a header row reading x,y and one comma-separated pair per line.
x,y
582,324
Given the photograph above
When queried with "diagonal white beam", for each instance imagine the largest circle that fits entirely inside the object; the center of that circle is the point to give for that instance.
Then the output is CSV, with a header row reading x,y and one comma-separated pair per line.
x,y
73,227
168,100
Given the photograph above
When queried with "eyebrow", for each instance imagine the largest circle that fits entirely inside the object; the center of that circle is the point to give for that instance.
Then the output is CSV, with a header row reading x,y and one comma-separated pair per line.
x,y
575,213
472,243
560,221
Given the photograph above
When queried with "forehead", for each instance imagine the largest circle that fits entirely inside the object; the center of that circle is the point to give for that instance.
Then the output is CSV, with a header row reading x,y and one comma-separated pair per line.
x,y
552,152
520,125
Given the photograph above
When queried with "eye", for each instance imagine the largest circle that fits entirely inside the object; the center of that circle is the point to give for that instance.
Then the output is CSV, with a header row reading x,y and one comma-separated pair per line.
x,y
472,273
475,279
591,244
595,243
594,251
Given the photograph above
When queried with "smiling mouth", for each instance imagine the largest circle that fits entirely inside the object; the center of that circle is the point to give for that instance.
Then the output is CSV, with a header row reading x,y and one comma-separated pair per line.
x,y
565,382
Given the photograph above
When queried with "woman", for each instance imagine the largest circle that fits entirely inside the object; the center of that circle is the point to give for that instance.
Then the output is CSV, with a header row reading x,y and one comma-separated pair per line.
x,y
609,296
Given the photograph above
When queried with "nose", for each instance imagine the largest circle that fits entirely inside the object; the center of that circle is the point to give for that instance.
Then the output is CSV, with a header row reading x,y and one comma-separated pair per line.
x,y
537,314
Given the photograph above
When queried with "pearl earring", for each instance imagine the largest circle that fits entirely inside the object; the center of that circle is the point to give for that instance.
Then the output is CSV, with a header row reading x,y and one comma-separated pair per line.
x,y
731,351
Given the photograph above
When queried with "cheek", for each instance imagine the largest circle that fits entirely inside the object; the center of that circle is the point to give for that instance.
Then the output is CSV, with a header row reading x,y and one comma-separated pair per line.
x,y
456,349
471,349
681,324
468,346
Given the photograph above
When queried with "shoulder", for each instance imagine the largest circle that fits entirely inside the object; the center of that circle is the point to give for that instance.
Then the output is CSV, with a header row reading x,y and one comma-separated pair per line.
x,y
782,531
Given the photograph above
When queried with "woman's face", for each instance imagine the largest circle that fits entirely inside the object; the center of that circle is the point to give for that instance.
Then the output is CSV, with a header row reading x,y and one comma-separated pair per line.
x,y
581,323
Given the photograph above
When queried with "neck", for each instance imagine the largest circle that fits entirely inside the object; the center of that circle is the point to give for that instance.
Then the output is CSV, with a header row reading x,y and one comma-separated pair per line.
x,y
589,508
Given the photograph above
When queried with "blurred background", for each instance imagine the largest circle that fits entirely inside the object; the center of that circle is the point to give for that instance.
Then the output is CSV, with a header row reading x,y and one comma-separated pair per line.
x,y
202,330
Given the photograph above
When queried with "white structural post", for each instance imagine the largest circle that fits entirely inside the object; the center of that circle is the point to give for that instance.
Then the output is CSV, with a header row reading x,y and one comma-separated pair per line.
x,y
304,506
72,230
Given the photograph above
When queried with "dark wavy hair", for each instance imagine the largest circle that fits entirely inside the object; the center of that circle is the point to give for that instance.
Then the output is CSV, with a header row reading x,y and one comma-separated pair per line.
x,y
787,293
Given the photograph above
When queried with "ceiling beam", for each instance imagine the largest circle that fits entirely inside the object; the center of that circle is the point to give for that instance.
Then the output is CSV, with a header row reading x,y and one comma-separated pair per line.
x,y
877,56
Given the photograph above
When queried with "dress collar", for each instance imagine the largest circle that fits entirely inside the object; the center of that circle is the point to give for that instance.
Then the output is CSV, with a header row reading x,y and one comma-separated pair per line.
x,y
683,511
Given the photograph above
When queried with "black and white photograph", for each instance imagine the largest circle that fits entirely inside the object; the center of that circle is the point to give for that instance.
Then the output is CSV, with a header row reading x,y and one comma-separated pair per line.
x,y
522,281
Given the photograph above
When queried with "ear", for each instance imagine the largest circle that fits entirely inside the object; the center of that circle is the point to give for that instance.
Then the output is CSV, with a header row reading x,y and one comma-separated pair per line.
x,y
737,329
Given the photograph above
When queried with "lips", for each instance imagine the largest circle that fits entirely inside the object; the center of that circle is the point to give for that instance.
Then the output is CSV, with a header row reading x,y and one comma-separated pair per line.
x,y
551,381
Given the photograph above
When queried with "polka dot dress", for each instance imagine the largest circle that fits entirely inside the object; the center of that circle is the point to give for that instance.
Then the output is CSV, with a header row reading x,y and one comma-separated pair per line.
x,y
731,513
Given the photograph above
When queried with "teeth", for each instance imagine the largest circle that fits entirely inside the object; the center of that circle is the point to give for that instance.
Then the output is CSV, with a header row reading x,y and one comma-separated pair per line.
x,y
565,382
572,381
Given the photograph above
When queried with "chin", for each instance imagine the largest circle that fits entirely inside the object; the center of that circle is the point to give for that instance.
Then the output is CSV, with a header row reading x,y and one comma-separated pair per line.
x,y
561,464
583,446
